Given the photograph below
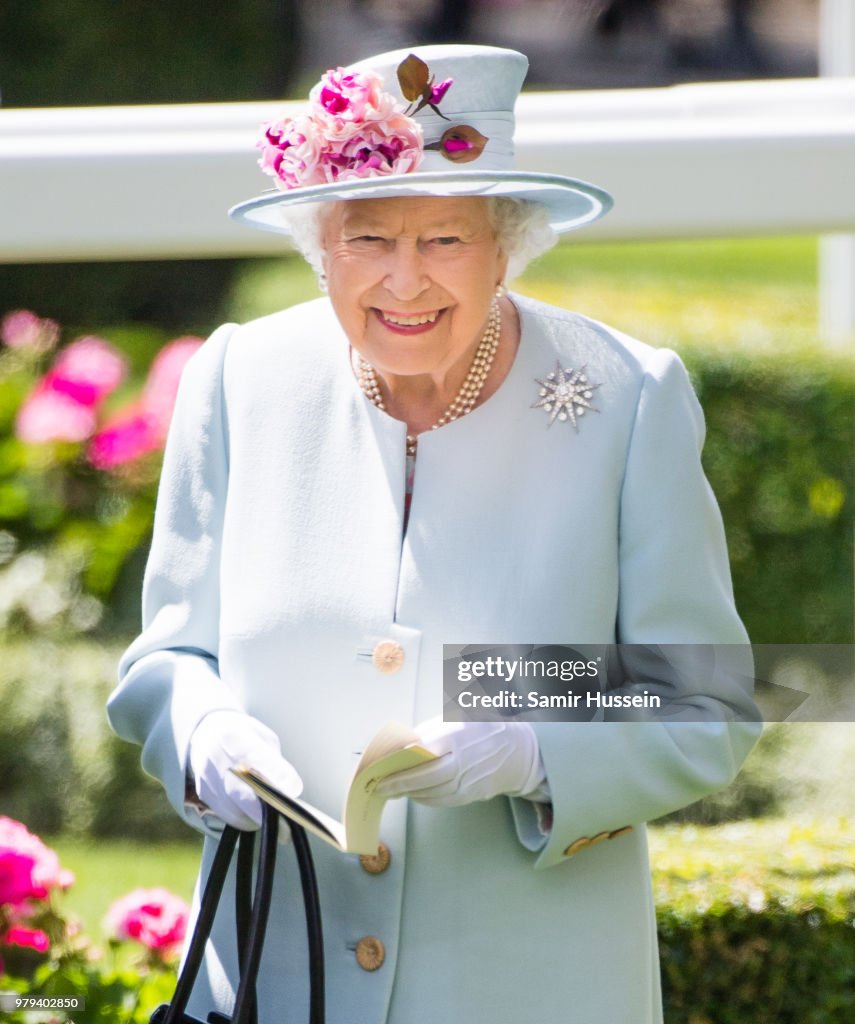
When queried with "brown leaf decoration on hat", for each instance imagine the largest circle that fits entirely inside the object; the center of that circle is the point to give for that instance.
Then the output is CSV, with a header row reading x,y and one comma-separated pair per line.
x,y
417,86
461,144
413,76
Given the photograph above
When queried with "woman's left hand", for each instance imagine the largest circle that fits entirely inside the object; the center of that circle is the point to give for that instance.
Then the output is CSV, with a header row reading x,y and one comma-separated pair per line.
x,y
475,761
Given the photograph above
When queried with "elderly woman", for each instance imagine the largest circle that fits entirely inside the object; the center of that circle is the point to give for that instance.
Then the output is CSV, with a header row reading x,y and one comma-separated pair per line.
x,y
422,458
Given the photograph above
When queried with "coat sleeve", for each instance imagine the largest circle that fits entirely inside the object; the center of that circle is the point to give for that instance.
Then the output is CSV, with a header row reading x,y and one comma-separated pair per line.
x,y
169,678
675,589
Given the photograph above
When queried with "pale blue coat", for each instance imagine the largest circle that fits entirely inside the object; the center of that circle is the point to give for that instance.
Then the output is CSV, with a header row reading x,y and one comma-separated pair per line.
x,y
278,564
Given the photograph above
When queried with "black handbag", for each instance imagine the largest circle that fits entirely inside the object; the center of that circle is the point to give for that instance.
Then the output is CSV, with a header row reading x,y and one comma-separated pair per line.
x,y
251,913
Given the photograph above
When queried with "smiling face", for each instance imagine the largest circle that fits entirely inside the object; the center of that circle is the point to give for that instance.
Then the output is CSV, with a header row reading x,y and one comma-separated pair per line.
x,y
411,279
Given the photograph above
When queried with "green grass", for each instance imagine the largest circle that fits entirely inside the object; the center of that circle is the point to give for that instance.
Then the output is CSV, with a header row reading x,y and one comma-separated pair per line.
x,y
753,862
104,870
755,293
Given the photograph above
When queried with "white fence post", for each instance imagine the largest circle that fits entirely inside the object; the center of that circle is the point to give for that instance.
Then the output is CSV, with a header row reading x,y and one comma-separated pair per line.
x,y
837,252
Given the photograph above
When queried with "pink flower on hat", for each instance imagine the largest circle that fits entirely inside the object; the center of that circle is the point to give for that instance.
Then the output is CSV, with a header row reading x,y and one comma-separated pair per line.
x,y
377,149
354,129
156,918
438,91
291,151
352,96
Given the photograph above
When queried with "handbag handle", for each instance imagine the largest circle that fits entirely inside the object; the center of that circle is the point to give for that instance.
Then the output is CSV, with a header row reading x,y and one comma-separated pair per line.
x,y
251,922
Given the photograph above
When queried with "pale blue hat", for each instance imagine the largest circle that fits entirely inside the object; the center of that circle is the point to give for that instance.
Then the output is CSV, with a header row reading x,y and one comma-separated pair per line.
x,y
486,81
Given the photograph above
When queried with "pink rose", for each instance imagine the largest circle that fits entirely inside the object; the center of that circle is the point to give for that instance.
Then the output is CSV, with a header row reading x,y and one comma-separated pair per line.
x,y
154,917
49,415
125,437
141,428
161,386
87,370
28,868
23,329
31,938
291,150
355,130
353,97
62,406
438,91
393,146
16,877
168,365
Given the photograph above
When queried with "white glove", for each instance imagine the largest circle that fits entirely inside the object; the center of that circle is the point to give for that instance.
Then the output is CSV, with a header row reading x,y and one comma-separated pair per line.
x,y
476,761
225,739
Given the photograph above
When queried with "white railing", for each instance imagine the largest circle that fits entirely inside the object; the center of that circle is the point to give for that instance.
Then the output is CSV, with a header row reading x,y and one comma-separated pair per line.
x,y
837,252
725,159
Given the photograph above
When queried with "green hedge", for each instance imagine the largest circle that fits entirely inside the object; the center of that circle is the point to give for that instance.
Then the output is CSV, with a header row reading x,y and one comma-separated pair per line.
x,y
779,455
61,768
757,922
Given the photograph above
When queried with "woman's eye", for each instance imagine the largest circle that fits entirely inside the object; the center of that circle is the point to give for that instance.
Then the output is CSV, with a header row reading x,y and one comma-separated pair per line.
x,y
446,240
364,241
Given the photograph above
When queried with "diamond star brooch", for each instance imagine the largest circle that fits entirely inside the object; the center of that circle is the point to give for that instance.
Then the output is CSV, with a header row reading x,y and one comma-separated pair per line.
x,y
565,395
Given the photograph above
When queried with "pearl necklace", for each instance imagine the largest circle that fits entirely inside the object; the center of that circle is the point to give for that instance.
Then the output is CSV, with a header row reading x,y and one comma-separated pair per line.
x,y
470,390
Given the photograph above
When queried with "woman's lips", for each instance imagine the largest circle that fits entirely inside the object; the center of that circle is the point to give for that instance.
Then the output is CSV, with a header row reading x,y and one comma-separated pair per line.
x,y
408,323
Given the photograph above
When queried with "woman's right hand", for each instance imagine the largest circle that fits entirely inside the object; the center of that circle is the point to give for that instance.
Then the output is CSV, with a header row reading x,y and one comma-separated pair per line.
x,y
223,740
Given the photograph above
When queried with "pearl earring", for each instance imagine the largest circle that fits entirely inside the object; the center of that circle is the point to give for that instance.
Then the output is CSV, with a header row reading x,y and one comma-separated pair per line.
x,y
500,290
322,281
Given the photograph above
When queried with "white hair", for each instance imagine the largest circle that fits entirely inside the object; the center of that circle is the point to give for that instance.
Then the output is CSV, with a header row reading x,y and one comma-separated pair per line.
x,y
521,228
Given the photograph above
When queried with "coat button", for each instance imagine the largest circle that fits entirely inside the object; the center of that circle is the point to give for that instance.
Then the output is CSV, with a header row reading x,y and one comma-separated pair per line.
x,y
376,864
370,953
599,837
388,656
620,831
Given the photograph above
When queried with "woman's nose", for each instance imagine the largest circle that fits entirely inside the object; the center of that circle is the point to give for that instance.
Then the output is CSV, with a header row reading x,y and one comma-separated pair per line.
x,y
405,277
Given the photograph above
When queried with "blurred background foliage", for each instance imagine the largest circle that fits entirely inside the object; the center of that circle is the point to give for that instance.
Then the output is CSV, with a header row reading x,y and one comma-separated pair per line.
x,y
198,51
82,428
755,922
94,52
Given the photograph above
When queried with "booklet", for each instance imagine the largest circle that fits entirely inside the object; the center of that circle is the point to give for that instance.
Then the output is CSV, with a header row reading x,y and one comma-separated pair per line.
x,y
395,748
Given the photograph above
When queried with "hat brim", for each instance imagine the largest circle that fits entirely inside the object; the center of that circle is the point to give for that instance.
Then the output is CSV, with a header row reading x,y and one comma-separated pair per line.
x,y
571,203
